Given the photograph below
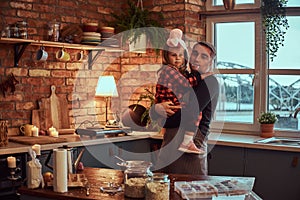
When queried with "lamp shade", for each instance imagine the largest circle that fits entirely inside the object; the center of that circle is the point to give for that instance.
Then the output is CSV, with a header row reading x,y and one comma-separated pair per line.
x,y
106,87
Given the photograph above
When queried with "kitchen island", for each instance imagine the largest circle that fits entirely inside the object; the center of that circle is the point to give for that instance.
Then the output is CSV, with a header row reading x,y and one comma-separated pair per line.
x,y
99,177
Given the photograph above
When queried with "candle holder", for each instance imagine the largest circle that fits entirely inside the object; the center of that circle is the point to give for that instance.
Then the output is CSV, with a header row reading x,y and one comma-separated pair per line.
x,y
13,176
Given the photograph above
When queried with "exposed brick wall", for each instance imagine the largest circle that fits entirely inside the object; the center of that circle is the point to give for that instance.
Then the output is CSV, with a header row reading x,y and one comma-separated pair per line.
x,y
74,81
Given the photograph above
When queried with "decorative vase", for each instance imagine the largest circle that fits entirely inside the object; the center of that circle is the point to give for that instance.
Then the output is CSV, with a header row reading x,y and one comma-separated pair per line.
x,y
267,130
229,4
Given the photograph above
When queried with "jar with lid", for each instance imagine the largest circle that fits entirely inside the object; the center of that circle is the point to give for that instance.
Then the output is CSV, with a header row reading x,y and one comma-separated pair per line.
x,y
22,28
158,187
53,31
14,31
137,173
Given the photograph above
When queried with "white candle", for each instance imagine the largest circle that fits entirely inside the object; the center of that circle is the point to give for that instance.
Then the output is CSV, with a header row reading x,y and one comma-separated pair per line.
x,y
52,129
54,134
37,149
11,162
35,131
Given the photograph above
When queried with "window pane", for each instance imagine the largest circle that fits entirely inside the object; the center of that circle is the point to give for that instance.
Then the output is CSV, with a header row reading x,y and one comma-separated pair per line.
x,y
220,2
236,101
284,99
293,3
235,43
288,56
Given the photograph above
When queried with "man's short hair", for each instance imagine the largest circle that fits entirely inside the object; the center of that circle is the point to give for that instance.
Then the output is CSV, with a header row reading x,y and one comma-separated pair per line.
x,y
210,46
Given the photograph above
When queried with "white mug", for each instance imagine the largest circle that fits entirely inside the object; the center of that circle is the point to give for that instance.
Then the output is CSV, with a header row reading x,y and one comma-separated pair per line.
x,y
41,54
62,55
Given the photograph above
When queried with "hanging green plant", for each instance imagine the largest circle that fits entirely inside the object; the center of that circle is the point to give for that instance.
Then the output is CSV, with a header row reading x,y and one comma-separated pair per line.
x,y
135,21
275,25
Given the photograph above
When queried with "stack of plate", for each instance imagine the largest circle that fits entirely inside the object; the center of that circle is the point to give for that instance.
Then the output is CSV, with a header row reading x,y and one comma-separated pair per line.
x,y
93,38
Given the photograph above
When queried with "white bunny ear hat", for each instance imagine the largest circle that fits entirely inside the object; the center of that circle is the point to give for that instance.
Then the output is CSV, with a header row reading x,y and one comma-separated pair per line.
x,y
175,38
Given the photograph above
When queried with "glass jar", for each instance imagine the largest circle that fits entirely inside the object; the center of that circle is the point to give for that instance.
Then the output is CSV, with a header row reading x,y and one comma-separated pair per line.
x,y
53,31
22,28
158,187
137,173
14,31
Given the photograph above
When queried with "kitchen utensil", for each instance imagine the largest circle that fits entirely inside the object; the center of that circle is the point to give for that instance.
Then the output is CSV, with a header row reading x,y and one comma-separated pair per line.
x,y
123,161
55,107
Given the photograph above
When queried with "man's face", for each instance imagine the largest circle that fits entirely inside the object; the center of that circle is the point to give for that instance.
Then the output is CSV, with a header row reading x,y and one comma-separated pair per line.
x,y
201,59
176,56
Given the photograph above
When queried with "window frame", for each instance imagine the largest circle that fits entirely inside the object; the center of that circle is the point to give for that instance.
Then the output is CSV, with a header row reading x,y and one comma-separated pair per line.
x,y
209,6
260,72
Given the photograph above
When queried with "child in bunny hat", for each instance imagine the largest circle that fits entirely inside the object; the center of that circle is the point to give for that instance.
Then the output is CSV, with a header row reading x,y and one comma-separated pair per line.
x,y
175,82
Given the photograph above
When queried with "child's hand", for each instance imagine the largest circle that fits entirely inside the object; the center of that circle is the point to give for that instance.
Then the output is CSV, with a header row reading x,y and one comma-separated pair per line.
x,y
203,76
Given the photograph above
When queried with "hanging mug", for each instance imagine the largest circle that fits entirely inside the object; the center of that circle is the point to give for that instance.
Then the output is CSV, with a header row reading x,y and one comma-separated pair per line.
x,y
80,56
62,55
41,54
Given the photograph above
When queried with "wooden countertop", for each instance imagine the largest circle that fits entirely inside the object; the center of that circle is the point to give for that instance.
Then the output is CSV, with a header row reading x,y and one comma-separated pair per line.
x,y
247,141
98,177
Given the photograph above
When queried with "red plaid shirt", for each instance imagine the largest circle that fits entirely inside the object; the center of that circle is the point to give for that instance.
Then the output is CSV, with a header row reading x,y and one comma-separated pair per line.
x,y
172,85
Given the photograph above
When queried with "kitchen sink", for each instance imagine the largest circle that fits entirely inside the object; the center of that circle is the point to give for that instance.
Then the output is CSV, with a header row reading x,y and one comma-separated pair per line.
x,y
280,141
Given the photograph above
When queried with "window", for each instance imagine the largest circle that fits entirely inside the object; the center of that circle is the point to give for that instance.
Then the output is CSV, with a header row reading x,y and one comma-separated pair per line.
x,y
239,4
253,84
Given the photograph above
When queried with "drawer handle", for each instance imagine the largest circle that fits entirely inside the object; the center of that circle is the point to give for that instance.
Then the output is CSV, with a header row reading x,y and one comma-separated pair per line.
x,y
295,162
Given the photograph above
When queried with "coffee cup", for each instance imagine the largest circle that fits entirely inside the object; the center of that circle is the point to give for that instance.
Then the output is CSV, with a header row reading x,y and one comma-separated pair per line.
x,y
80,56
26,129
62,55
41,54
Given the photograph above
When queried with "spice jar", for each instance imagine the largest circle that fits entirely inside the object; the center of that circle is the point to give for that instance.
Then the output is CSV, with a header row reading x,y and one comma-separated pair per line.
x,y
158,187
22,28
137,173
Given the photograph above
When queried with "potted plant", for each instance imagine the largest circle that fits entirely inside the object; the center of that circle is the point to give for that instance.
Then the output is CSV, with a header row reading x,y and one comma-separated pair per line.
x,y
137,116
275,24
267,121
136,22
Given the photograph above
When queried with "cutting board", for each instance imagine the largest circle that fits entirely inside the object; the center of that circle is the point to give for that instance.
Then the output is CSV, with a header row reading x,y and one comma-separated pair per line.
x,y
54,108
28,140
53,111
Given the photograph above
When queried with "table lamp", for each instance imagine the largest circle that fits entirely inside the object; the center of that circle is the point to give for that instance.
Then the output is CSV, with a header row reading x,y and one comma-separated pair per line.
x,y
106,88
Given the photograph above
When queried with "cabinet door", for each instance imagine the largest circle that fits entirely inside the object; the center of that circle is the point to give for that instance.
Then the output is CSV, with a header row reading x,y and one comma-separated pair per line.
x,y
101,155
134,150
277,173
226,161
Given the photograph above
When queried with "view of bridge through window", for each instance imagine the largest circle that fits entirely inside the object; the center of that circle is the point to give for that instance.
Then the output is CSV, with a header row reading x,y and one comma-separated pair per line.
x,y
235,43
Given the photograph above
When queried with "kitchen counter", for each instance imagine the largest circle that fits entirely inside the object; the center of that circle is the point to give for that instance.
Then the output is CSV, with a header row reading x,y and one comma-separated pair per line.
x,y
99,177
248,141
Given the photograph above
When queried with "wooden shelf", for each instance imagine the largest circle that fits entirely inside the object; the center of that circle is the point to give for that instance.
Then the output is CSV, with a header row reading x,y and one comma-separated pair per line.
x,y
21,44
58,44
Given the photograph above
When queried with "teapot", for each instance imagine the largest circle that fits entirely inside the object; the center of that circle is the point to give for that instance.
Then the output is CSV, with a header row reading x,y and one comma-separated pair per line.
x,y
72,164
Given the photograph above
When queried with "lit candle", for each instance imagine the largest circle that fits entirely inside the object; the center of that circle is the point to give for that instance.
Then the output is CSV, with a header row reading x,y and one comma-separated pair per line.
x,y
11,162
37,149
35,131
52,129
54,133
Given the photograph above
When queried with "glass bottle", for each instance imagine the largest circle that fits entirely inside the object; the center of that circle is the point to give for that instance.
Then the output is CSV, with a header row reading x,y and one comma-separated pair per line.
x,y
22,28
137,173
158,187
